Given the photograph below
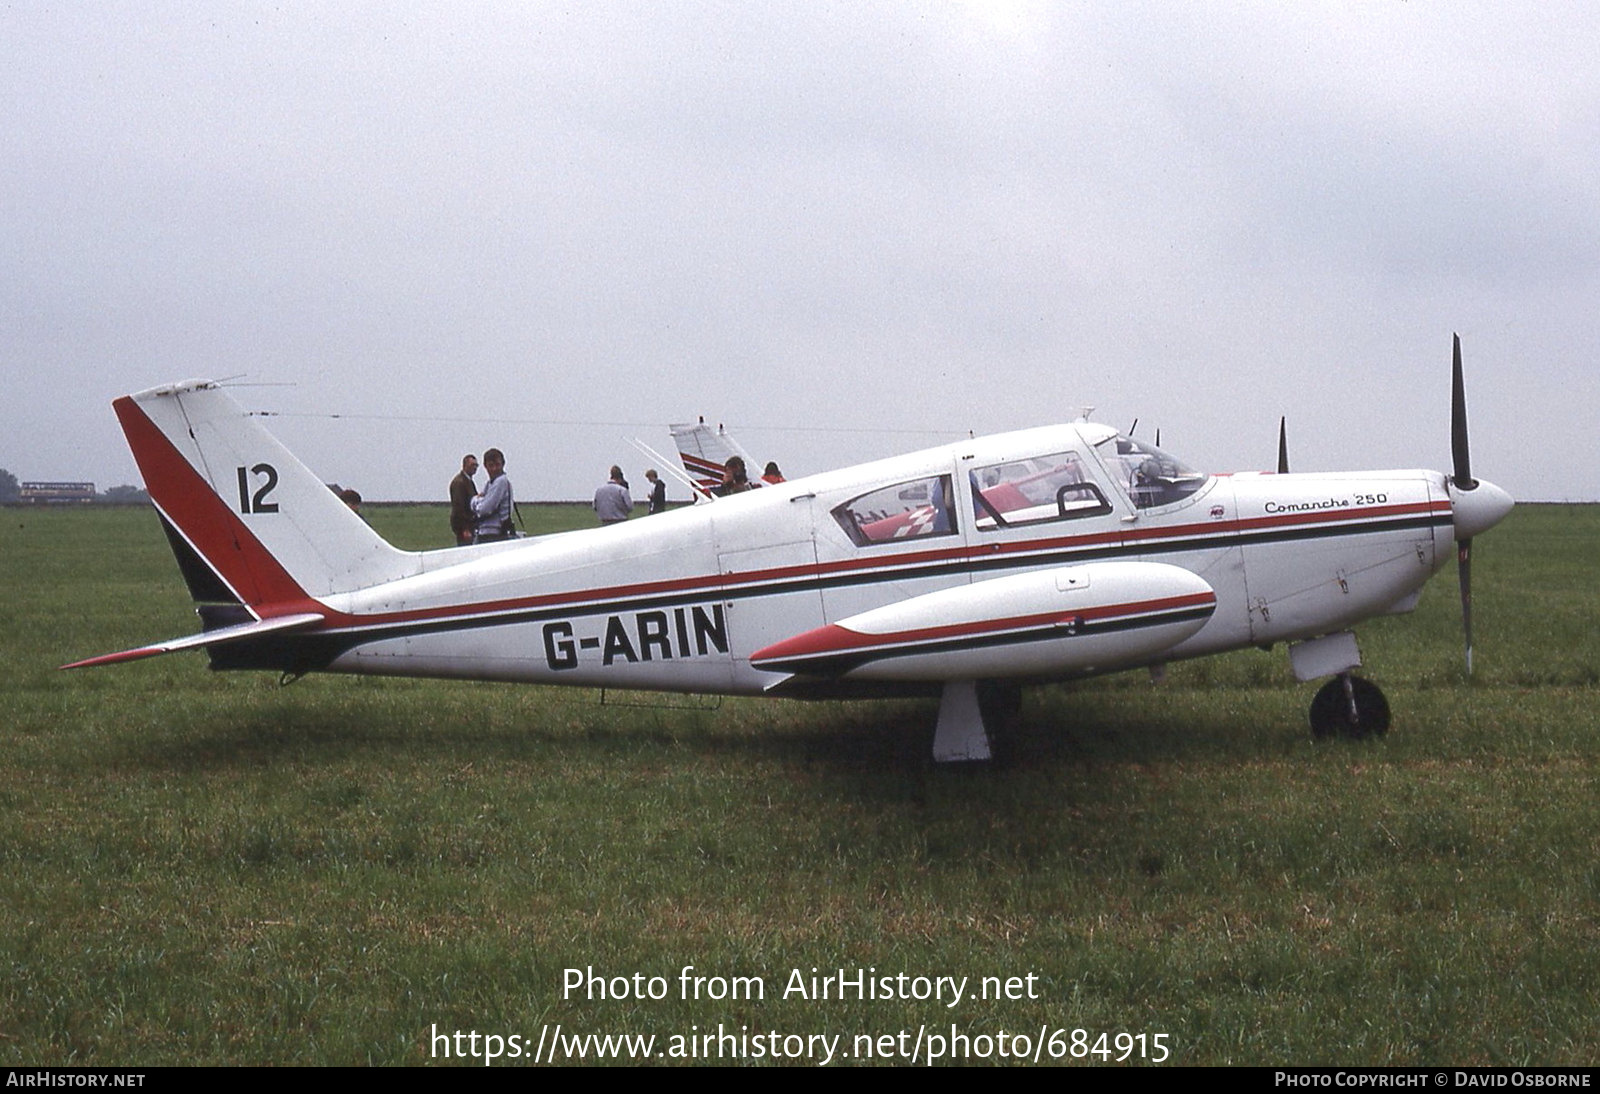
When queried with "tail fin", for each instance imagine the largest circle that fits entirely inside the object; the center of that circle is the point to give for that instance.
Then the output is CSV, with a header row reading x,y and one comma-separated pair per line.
x,y
248,521
704,451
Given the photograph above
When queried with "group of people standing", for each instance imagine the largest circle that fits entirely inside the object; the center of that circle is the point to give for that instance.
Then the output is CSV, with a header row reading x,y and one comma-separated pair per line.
x,y
489,515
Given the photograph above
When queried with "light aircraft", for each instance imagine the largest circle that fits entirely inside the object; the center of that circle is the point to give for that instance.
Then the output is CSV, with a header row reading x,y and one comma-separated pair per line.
x,y
964,571
704,451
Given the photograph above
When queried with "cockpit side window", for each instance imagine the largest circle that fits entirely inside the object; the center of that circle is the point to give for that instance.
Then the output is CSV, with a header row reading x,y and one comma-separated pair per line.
x,y
1150,476
1033,491
908,510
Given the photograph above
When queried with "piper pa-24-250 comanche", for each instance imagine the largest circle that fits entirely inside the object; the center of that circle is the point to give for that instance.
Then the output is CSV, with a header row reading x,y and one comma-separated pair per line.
x,y
964,571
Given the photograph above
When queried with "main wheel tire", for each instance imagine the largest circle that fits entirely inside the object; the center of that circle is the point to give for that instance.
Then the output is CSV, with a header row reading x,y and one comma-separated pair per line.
x,y
1330,710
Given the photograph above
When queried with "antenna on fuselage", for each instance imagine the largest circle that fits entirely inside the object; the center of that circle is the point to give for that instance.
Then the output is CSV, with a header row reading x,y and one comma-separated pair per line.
x,y
669,467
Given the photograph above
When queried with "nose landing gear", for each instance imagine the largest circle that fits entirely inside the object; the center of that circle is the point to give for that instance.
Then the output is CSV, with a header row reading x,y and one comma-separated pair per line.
x,y
1349,706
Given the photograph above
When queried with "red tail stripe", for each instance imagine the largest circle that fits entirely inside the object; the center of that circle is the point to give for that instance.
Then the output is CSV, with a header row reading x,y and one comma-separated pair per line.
x,y
197,511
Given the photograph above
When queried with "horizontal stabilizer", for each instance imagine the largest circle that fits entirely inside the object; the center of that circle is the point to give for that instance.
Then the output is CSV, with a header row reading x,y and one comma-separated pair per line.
x,y
253,629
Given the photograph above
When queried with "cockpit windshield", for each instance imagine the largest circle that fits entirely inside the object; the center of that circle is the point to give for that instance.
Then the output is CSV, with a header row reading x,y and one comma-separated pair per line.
x,y
1150,476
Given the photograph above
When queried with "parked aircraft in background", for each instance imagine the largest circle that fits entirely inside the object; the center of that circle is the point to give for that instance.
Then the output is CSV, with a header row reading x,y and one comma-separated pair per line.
x,y
964,571
704,452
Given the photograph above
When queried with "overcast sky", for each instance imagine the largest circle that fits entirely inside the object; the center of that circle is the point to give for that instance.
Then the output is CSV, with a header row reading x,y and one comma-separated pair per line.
x,y
845,230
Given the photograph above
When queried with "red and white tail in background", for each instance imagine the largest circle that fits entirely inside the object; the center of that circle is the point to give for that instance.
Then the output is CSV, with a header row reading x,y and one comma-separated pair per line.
x,y
704,451
259,538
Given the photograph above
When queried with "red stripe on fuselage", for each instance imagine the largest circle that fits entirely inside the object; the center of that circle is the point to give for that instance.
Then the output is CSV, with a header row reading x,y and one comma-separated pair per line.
x,y
602,598
1334,516
214,530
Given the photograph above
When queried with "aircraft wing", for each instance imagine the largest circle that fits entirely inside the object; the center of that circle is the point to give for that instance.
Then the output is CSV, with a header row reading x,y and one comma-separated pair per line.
x,y
1075,619
235,633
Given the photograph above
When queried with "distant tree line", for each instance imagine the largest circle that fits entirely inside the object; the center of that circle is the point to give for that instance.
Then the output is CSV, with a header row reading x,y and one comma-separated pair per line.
x,y
124,495
11,491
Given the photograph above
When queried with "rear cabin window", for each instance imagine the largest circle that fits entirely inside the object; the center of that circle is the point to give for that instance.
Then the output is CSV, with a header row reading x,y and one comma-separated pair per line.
x,y
908,510
1034,491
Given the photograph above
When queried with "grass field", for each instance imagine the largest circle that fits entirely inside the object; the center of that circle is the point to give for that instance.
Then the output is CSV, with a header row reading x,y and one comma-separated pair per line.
x,y
210,868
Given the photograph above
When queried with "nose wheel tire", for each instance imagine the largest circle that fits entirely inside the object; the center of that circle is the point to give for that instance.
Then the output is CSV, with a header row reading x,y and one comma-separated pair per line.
x,y
1349,706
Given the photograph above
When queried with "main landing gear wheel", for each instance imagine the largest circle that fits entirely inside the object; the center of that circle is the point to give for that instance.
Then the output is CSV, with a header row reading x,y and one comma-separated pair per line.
x,y
1349,706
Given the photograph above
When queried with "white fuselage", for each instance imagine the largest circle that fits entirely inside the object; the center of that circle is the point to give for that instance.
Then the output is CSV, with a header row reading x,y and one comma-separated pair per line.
x,y
681,601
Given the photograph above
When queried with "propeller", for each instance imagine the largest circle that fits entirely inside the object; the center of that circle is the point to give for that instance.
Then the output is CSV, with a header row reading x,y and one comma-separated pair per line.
x,y
1475,505
1283,447
1460,452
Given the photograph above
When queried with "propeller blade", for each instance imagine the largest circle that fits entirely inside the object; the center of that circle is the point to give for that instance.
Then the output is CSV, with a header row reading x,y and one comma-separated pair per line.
x,y
1462,480
1132,429
1458,425
1283,447
1464,574
1158,436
